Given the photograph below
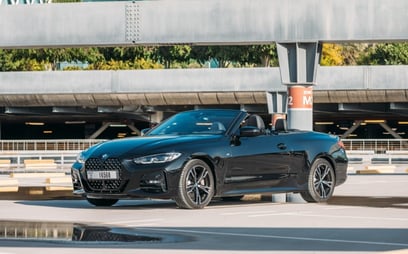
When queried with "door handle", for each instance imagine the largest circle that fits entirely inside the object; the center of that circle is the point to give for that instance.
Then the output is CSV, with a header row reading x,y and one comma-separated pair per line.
x,y
281,146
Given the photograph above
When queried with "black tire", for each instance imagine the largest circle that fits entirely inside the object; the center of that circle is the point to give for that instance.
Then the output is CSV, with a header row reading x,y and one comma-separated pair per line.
x,y
232,198
196,185
321,182
102,202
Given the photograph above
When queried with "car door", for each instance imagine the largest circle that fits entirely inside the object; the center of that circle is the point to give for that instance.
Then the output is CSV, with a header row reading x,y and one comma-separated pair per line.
x,y
258,162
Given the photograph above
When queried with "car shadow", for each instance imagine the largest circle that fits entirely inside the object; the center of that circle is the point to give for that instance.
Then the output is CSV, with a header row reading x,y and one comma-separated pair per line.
x,y
139,204
361,201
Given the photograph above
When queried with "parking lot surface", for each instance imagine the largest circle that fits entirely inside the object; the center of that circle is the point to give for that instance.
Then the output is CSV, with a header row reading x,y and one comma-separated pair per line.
x,y
368,214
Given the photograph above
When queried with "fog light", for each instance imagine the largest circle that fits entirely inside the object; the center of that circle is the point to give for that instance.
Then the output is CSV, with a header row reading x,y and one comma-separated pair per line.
x,y
155,182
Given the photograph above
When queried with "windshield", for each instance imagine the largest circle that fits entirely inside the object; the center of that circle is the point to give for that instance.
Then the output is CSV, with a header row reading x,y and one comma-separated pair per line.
x,y
197,122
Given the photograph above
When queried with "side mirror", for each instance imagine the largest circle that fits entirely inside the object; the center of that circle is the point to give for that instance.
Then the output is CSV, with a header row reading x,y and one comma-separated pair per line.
x,y
144,131
249,131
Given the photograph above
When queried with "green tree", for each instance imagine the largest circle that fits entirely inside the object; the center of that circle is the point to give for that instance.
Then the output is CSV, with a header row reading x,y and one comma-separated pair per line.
x,y
168,55
45,59
125,53
20,60
385,54
55,56
263,55
237,56
226,56
6,63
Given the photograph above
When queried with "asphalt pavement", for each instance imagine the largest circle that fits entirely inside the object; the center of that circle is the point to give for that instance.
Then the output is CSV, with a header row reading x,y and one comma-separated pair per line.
x,y
368,214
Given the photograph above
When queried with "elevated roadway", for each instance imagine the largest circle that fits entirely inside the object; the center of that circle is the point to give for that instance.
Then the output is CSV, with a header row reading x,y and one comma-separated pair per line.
x,y
201,22
298,28
353,88
352,84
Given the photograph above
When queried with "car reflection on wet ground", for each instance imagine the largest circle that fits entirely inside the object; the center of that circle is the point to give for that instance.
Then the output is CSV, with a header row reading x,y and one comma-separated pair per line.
x,y
76,233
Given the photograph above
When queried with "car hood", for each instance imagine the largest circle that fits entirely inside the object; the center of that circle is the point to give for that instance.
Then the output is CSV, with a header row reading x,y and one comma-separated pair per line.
x,y
145,145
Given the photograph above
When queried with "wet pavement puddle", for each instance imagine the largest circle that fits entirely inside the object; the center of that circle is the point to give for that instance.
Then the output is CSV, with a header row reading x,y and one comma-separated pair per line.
x,y
76,233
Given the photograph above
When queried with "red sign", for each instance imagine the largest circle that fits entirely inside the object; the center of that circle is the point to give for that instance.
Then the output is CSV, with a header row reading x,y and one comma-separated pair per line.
x,y
300,97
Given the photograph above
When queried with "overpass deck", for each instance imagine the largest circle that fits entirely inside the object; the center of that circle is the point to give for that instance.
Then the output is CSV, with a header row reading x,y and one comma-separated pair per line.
x,y
353,84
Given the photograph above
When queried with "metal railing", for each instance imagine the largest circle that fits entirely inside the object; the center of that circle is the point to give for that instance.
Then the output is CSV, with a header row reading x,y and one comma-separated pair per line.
x,y
16,159
64,151
376,145
47,144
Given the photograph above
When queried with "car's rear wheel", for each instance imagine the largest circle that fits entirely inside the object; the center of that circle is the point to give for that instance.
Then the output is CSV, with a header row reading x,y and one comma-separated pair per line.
x,y
321,182
196,185
102,202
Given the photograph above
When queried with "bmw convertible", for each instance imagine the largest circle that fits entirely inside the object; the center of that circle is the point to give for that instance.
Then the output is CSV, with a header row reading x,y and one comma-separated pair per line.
x,y
197,155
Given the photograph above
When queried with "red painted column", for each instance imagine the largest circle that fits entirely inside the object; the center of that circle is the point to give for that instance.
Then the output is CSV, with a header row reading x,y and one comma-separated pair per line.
x,y
300,107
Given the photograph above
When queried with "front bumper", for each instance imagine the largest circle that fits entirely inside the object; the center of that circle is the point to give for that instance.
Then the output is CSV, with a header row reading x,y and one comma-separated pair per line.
x,y
134,181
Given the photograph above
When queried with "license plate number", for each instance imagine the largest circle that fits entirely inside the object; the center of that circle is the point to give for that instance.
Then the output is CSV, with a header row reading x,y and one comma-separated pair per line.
x,y
102,175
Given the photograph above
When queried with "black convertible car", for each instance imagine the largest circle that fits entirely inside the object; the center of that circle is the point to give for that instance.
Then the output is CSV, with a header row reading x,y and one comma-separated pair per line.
x,y
200,154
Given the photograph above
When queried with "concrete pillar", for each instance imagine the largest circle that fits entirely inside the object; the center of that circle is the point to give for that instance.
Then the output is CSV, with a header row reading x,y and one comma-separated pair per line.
x,y
277,105
298,63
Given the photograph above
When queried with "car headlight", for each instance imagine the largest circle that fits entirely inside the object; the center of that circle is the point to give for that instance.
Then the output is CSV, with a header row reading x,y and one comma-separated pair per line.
x,y
157,158
80,158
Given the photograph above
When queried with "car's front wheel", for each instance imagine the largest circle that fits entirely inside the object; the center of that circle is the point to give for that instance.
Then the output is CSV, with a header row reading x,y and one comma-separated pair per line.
x,y
196,185
321,182
101,202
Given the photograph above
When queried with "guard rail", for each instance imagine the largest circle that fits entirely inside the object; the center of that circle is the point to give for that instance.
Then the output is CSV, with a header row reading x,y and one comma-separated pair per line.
x,y
376,145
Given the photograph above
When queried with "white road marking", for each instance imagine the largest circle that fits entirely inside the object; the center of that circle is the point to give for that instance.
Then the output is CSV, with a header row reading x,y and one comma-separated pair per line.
x,y
278,237
307,214
243,213
274,214
355,217
134,222
339,208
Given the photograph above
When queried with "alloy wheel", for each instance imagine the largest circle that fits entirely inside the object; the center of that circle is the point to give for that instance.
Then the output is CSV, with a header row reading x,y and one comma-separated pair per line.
x,y
323,180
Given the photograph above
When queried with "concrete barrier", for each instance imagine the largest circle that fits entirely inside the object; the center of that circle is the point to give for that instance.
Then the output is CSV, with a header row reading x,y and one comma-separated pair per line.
x,y
4,163
59,183
40,164
36,175
8,185
380,169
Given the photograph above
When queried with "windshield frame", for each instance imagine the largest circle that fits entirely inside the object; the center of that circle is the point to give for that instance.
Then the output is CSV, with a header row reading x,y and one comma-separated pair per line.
x,y
198,122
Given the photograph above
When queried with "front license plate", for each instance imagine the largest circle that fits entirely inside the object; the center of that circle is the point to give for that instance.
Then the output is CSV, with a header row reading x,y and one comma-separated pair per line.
x,y
102,175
